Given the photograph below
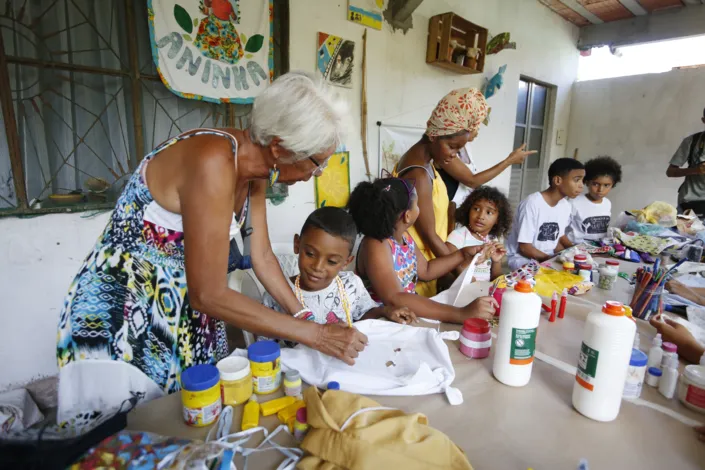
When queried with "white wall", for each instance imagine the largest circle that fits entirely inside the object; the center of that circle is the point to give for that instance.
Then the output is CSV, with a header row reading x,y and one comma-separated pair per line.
x,y
640,121
402,89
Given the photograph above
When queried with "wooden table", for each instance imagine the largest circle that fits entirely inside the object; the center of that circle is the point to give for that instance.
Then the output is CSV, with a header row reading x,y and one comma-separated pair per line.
x,y
501,427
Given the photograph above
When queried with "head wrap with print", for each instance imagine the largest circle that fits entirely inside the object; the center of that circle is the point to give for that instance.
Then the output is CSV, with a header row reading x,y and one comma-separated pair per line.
x,y
460,110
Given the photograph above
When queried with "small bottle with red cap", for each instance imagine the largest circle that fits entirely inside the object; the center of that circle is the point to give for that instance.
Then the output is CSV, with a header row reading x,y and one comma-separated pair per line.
x,y
476,338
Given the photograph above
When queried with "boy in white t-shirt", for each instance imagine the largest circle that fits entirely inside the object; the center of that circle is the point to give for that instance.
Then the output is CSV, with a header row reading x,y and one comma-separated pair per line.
x,y
542,217
483,218
592,212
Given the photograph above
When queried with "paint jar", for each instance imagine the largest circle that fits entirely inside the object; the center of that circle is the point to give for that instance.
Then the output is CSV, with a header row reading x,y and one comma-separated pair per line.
x,y
635,375
603,362
578,259
475,338
235,380
292,383
516,335
265,363
608,275
497,294
200,395
691,388
586,274
301,424
653,375
568,266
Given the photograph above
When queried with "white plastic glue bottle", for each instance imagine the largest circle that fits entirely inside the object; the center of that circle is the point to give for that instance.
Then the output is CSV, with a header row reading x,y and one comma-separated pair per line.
x,y
655,353
516,337
603,362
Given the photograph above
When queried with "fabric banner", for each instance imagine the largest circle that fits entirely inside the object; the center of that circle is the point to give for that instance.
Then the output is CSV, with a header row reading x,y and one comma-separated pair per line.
x,y
394,142
213,50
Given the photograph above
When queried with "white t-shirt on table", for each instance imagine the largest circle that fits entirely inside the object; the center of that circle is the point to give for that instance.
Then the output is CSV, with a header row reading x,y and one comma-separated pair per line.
x,y
461,237
537,223
589,221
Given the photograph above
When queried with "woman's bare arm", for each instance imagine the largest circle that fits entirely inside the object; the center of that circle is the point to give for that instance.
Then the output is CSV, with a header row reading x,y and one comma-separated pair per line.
x,y
265,263
462,174
207,203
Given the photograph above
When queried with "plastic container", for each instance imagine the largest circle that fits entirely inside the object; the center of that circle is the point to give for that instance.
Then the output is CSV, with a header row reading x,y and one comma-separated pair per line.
x,y
266,368
669,350
200,395
608,275
250,414
586,274
301,424
691,388
516,335
272,407
648,303
655,352
498,293
290,411
292,383
603,362
580,259
235,380
669,380
476,338
635,375
568,266
653,375
333,386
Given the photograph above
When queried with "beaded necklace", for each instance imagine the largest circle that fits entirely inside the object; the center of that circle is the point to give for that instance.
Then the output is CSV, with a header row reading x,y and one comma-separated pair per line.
x,y
341,292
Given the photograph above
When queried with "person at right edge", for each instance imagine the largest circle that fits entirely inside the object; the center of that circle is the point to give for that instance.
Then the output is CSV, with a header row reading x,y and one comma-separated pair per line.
x,y
691,194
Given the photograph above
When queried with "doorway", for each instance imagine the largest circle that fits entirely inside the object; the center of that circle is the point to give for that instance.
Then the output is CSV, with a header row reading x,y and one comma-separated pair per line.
x,y
531,123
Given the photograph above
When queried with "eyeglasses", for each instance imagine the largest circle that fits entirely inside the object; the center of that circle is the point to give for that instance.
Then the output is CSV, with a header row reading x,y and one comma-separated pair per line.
x,y
319,166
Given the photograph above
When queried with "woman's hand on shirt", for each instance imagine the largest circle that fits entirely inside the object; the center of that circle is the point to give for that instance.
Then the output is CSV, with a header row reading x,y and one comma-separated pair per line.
x,y
340,342
482,307
518,156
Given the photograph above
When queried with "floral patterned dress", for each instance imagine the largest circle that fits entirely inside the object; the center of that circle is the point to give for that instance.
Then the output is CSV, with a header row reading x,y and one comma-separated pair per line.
x,y
405,265
127,329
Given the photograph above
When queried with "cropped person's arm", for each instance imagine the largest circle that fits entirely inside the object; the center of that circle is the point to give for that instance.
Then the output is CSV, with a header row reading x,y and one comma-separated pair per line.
x,y
462,174
426,223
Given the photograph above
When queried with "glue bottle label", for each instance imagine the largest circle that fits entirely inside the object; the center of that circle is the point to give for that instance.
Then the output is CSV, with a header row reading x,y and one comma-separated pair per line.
x,y
523,346
587,367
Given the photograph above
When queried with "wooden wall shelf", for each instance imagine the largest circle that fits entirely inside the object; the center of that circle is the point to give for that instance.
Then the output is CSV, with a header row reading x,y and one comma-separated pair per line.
x,y
449,38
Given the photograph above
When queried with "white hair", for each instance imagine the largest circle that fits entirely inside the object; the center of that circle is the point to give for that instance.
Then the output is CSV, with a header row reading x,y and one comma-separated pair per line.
x,y
301,110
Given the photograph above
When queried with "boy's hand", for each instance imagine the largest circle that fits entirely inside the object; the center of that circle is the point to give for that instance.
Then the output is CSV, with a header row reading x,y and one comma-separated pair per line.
x,y
400,315
482,307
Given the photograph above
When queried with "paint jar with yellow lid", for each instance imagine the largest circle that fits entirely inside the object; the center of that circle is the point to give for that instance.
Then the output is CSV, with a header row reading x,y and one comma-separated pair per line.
x,y
235,380
200,395
265,363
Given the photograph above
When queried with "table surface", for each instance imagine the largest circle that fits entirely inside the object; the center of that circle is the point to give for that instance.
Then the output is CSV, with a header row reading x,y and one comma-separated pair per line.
x,y
516,428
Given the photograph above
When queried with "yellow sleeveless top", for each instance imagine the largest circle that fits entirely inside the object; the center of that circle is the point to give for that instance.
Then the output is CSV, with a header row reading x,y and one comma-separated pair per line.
x,y
440,211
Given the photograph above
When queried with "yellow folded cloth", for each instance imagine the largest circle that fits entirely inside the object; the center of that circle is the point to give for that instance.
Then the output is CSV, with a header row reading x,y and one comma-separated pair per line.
x,y
375,437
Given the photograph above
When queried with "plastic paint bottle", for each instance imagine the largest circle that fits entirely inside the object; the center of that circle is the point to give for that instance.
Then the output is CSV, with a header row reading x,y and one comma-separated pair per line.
x,y
603,362
301,424
292,383
516,335
250,414
655,353
669,350
669,380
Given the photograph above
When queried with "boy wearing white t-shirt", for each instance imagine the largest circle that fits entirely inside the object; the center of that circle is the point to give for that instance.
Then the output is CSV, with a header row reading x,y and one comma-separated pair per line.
x,y
542,218
592,212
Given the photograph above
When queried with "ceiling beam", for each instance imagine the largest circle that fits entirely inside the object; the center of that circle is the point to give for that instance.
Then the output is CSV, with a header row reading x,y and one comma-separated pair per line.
x,y
670,24
634,6
398,12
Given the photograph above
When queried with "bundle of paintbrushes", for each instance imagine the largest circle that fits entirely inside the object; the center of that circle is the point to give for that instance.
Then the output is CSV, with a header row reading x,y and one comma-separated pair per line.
x,y
647,300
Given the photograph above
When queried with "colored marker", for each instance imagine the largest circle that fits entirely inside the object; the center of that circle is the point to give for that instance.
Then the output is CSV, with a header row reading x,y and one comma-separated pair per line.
x,y
564,300
554,302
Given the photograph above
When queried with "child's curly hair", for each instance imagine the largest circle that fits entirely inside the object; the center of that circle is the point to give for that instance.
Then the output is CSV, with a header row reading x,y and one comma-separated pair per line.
x,y
603,166
495,196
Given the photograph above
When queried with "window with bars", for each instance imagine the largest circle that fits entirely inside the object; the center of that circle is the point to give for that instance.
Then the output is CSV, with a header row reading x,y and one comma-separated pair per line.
x,y
82,102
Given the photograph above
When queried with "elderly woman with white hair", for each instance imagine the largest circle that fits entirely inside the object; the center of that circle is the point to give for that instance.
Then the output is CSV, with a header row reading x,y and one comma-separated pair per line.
x,y
152,297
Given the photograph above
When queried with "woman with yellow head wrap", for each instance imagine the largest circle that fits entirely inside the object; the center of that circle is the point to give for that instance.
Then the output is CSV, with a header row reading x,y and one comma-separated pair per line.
x,y
454,122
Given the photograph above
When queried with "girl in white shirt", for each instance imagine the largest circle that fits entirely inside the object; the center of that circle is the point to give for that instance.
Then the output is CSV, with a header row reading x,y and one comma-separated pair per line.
x,y
483,219
592,212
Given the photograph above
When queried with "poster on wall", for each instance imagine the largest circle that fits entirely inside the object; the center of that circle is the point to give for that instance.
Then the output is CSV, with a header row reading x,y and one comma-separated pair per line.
x,y
366,12
333,186
394,142
335,61
213,50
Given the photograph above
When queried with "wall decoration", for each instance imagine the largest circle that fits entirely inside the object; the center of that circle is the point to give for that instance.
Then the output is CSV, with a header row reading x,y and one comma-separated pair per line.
x,y
394,141
335,61
333,186
499,43
366,12
213,50
493,85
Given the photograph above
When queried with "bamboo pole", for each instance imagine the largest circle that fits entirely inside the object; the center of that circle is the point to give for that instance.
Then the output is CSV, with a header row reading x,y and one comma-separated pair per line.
x,y
363,113
13,136
136,83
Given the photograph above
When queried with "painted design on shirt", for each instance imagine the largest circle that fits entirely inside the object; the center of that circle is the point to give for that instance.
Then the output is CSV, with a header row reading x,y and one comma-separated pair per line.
x,y
548,232
596,225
